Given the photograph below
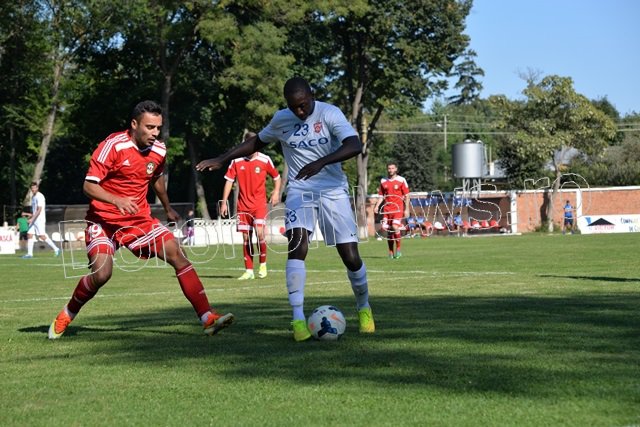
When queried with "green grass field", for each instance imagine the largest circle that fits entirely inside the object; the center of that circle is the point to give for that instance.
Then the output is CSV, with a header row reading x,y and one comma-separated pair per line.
x,y
519,331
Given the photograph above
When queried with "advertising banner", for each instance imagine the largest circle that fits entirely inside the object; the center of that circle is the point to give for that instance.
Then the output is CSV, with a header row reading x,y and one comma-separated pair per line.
x,y
592,224
7,241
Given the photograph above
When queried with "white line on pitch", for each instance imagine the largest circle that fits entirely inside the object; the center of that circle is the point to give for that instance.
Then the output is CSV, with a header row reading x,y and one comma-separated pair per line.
x,y
253,288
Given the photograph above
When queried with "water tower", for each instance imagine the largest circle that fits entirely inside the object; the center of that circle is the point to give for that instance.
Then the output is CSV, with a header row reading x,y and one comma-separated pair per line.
x,y
469,164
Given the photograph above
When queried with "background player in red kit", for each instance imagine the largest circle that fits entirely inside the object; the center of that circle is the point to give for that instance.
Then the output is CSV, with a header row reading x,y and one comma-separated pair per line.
x,y
395,206
120,171
251,173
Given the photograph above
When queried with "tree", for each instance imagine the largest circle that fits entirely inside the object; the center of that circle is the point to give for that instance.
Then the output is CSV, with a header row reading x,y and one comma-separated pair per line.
x,y
416,159
553,120
70,24
618,165
468,85
22,71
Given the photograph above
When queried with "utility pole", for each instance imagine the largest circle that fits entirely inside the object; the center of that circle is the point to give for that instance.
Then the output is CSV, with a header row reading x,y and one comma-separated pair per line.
x,y
444,128
444,131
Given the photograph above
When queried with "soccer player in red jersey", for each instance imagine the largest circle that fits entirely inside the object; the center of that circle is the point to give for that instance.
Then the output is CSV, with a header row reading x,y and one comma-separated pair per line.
x,y
251,174
120,171
395,195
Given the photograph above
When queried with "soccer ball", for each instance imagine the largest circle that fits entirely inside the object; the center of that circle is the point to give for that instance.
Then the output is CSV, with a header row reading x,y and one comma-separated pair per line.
x,y
326,323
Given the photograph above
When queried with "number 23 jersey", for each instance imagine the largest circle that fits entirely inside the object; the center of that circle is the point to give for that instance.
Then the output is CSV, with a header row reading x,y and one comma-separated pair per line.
x,y
304,141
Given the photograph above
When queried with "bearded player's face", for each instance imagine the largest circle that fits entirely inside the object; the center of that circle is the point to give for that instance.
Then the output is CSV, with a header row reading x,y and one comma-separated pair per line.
x,y
146,129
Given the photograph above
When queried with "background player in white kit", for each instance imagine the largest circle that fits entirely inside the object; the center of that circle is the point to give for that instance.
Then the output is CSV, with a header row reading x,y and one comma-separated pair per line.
x,y
315,138
38,222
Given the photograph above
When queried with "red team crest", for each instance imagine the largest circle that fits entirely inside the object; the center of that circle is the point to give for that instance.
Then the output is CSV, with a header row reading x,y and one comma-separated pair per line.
x,y
150,168
317,127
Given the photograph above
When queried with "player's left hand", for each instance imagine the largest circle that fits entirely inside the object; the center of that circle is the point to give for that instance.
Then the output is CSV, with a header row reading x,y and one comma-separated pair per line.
x,y
209,164
172,215
310,170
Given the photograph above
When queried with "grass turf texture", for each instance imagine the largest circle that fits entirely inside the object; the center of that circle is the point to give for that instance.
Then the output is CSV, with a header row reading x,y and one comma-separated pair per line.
x,y
519,330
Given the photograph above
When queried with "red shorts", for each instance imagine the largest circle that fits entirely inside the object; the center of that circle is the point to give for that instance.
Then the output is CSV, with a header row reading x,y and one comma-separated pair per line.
x,y
392,219
248,220
144,237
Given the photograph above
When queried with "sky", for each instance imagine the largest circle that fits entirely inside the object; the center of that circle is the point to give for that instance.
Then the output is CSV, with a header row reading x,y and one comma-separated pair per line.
x,y
595,42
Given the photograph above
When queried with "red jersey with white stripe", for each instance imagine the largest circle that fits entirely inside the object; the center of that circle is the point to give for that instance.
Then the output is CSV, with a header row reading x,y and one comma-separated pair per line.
x,y
125,170
251,174
393,190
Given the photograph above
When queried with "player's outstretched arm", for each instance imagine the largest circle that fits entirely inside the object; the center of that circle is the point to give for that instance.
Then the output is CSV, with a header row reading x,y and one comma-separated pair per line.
x,y
351,147
246,148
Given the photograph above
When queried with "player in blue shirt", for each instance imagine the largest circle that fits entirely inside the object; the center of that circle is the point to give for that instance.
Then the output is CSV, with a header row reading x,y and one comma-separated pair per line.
x,y
315,137
568,218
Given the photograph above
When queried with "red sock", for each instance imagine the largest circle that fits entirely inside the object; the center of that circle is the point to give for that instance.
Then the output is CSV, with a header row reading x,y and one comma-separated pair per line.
x,y
390,239
192,289
85,290
247,248
398,237
263,251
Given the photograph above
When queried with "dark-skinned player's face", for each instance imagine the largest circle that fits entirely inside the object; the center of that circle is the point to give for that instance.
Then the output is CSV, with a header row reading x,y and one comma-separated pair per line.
x,y
146,129
301,104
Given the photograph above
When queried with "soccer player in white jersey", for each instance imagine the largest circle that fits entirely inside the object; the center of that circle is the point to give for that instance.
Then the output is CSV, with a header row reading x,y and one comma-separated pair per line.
x,y
38,222
316,137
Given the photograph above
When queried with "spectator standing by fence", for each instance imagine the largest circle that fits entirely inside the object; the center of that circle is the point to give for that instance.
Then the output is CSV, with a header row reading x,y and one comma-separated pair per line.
x,y
22,226
568,218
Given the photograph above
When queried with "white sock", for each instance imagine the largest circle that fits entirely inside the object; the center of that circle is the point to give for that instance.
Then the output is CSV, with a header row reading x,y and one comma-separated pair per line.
x,y
204,317
72,315
359,286
296,274
30,243
51,244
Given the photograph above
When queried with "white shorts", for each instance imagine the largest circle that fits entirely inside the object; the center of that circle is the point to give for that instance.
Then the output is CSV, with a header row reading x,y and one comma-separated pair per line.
x,y
331,210
38,228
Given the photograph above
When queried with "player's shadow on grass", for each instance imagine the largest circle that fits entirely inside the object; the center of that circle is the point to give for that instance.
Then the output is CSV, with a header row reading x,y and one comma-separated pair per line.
x,y
217,276
524,345
594,278
73,330
378,257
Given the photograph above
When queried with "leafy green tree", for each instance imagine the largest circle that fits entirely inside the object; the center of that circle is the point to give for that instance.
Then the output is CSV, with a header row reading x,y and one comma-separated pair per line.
x,y
22,70
618,165
416,159
552,120
468,85
69,25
